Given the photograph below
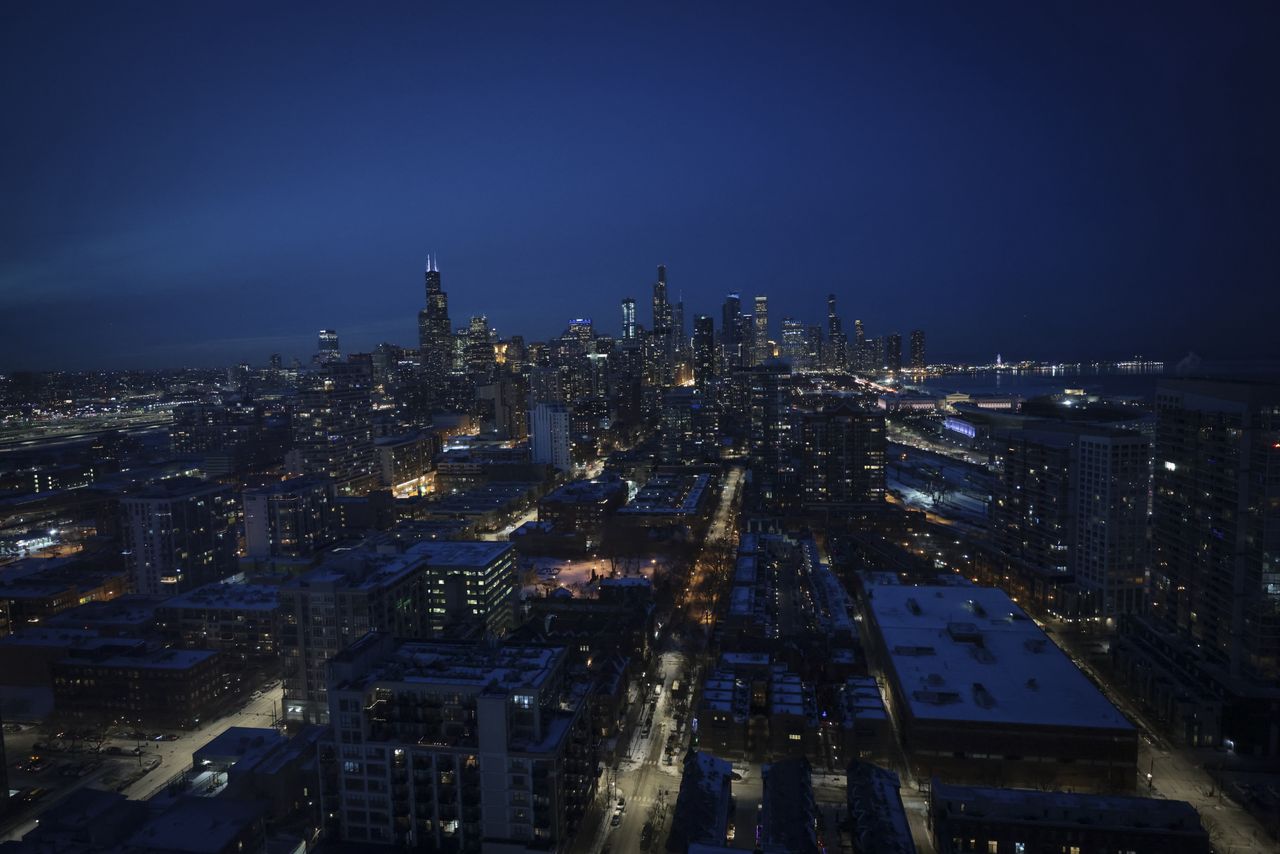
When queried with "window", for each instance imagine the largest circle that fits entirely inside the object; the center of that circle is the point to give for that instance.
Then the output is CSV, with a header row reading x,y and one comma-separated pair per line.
x,y
993,847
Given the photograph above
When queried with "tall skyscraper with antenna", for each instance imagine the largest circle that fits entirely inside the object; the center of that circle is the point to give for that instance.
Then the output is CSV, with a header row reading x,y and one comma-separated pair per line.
x,y
435,337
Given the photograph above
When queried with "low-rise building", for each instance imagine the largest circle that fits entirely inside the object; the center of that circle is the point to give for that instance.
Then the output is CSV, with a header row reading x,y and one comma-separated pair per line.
x,y
981,694
1012,821
164,688
788,813
32,591
701,815
860,724
877,820
583,506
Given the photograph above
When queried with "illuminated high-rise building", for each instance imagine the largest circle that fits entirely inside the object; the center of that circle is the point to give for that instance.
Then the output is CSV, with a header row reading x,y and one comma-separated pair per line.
x,y
333,425
629,330
815,351
770,424
1207,657
677,325
760,327
327,349
917,350
435,333
731,330
836,354
843,455
549,435
1216,519
479,349
1071,501
704,356
662,316
289,518
179,534
689,427
795,345
893,353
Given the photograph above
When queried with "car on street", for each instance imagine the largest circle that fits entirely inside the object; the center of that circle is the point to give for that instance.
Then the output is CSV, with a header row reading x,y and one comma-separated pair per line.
x,y
616,820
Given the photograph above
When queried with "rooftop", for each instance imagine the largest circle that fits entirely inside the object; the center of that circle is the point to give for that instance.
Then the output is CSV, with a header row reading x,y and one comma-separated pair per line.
x,y
161,659
580,491
293,484
1113,811
507,666
971,654
178,487
459,552
199,825
879,822
243,597
669,493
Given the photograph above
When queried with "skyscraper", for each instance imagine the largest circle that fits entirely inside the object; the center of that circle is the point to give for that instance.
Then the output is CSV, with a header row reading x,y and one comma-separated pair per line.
x,y
333,425
893,353
771,425
549,435
289,518
795,347
1071,501
1205,661
332,606
836,355
760,338
179,534
843,450
480,353
435,332
661,307
690,428
664,339
731,330
1217,519
917,350
704,356
628,318
327,349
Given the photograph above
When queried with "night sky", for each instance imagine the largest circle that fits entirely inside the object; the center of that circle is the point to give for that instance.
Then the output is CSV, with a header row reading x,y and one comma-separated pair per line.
x,y
201,183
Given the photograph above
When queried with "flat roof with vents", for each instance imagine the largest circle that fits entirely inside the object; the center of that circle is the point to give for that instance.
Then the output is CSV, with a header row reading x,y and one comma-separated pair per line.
x,y
971,654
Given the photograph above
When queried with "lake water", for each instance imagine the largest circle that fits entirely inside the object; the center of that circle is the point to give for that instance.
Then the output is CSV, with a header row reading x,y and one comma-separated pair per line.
x,y
1108,381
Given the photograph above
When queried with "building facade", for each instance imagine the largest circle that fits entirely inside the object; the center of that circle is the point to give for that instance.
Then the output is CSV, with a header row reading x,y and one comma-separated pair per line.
x,y
179,534
460,747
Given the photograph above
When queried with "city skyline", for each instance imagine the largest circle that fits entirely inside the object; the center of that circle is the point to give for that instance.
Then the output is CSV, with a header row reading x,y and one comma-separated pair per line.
x,y
216,199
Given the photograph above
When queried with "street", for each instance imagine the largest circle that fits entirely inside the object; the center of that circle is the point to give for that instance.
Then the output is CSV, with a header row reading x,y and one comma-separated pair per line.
x,y
173,757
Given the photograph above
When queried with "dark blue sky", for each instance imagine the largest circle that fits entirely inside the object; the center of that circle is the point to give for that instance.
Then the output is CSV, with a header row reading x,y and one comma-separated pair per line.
x,y
201,183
